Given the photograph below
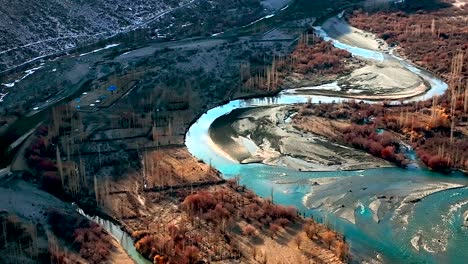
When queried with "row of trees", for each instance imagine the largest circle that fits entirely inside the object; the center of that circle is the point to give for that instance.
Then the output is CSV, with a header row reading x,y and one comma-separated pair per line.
x,y
49,156
19,241
175,246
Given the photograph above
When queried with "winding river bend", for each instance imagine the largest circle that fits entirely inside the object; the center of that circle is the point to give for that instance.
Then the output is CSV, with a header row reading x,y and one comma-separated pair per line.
x,y
424,226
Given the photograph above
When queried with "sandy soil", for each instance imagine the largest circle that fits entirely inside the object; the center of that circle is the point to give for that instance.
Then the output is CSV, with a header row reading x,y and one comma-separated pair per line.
x,y
175,165
172,166
397,199
460,3
384,80
338,29
309,251
277,141
371,80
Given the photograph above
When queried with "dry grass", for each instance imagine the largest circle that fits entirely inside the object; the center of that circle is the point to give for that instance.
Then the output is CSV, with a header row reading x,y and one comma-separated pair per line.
x,y
173,166
163,220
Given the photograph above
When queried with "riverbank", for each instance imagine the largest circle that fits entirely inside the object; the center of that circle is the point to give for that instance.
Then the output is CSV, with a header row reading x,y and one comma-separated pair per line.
x,y
130,162
446,28
379,229
268,135
157,212
368,75
107,145
338,29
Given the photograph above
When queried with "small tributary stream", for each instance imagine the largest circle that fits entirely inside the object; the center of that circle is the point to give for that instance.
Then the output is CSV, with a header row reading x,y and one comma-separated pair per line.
x,y
124,239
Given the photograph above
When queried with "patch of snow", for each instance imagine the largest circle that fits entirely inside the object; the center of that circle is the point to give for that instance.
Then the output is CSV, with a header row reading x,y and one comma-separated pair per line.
x,y
260,19
97,50
355,91
217,34
69,46
9,85
2,96
28,72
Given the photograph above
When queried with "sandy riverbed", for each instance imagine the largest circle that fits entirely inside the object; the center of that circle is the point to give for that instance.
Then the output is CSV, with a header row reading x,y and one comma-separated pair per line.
x,y
338,29
369,79
375,81
267,135
398,198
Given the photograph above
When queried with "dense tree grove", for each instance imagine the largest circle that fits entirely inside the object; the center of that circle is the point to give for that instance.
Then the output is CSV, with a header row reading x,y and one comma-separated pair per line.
x,y
429,39
434,37
315,56
366,129
382,145
86,237
222,210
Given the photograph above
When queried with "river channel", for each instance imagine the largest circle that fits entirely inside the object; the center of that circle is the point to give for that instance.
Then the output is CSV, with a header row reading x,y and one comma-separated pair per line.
x,y
426,229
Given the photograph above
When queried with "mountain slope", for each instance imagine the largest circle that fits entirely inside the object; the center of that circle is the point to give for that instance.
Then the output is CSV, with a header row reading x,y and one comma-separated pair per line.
x,y
30,29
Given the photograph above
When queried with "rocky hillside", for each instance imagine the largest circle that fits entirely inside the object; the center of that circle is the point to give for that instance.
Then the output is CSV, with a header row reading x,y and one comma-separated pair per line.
x,y
31,29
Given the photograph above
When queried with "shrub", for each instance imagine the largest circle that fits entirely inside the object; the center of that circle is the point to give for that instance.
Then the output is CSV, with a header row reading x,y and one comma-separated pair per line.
x,y
191,254
328,237
342,250
249,230
274,228
283,222
380,145
438,163
88,238
200,202
311,229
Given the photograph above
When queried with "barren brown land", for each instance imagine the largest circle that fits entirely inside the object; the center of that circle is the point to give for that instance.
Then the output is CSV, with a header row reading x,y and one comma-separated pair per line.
x,y
200,216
